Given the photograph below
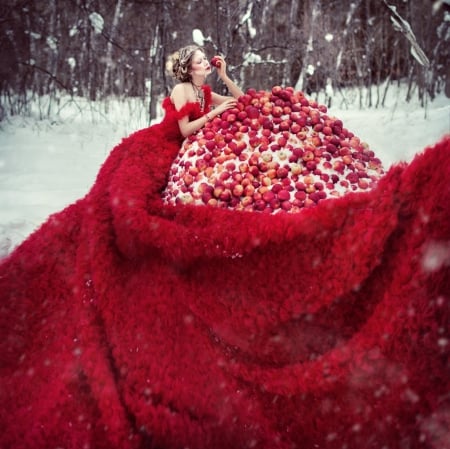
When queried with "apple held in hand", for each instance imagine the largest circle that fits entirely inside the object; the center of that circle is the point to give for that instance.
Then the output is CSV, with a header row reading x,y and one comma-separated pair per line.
x,y
215,61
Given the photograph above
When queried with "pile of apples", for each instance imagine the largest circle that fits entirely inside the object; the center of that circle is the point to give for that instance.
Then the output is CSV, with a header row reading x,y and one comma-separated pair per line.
x,y
275,151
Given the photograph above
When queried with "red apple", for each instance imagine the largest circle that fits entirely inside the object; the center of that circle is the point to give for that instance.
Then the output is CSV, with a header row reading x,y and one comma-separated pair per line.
x,y
249,190
282,172
225,195
215,61
363,184
259,204
347,159
300,195
283,195
276,90
268,196
188,179
277,111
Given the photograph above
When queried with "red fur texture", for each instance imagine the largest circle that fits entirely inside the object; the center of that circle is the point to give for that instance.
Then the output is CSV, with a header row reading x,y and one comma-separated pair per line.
x,y
127,323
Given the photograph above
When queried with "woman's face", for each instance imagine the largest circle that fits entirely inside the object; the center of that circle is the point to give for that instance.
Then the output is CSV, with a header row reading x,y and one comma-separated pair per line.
x,y
200,65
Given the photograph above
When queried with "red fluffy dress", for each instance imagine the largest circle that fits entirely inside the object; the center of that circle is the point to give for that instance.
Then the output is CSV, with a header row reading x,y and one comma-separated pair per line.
x,y
131,323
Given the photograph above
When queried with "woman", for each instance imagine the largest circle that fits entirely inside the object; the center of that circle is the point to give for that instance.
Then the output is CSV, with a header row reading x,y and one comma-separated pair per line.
x,y
191,67
127,322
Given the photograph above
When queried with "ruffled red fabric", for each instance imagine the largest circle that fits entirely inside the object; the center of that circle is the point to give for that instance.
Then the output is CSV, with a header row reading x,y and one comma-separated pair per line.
x,y
127,323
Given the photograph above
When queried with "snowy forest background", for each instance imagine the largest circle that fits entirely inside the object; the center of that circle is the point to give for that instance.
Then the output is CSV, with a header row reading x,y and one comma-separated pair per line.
x,y
55,51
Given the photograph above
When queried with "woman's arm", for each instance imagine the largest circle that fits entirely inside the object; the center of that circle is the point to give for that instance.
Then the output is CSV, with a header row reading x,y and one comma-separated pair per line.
x,y
231,85
190,127
180,98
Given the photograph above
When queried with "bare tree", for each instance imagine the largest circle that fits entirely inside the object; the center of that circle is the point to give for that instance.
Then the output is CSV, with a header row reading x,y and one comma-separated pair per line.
x,y
109,46
96,48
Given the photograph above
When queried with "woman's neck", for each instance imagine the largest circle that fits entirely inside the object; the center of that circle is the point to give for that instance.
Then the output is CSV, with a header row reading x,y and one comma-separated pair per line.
x,y
197,82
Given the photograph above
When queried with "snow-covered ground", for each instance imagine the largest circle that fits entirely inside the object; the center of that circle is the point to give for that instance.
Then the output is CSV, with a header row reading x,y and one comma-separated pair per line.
x,y
46,165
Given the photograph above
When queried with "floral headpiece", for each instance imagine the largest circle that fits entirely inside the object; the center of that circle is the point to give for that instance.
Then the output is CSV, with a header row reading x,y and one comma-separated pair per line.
x,y
180,62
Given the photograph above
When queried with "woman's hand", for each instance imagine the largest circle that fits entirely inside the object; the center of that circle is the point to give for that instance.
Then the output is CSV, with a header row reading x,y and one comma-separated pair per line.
x,y
229,103
221,66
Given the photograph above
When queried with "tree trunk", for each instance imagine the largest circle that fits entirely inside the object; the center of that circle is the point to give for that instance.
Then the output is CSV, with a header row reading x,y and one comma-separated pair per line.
x,y
109,47
309,23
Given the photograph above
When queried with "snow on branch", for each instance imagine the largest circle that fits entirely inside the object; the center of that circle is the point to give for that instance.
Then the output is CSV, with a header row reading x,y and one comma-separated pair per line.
x,y
403,26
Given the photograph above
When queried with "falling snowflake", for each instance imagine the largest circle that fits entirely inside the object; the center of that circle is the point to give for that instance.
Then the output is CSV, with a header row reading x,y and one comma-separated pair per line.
x,y
435,256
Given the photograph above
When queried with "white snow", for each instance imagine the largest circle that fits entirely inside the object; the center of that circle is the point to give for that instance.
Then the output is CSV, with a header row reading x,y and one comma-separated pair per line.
x,y
198,37
247,18
46,165
97,22
72,62
73,31
251,58
52,42
34,35
436,255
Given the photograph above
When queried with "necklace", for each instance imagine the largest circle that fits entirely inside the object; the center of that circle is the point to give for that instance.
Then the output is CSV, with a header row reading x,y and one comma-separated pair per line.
x,y
200,98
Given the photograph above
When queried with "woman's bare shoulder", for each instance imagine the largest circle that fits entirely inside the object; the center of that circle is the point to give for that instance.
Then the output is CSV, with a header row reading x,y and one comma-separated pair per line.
x,y
179,94
180,89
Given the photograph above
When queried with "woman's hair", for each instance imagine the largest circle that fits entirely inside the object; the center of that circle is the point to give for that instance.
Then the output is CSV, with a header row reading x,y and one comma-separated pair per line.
x,y
181,62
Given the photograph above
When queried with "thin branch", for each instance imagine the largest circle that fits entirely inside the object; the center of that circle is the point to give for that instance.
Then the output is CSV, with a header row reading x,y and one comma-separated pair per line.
x,y
53,77
403,26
